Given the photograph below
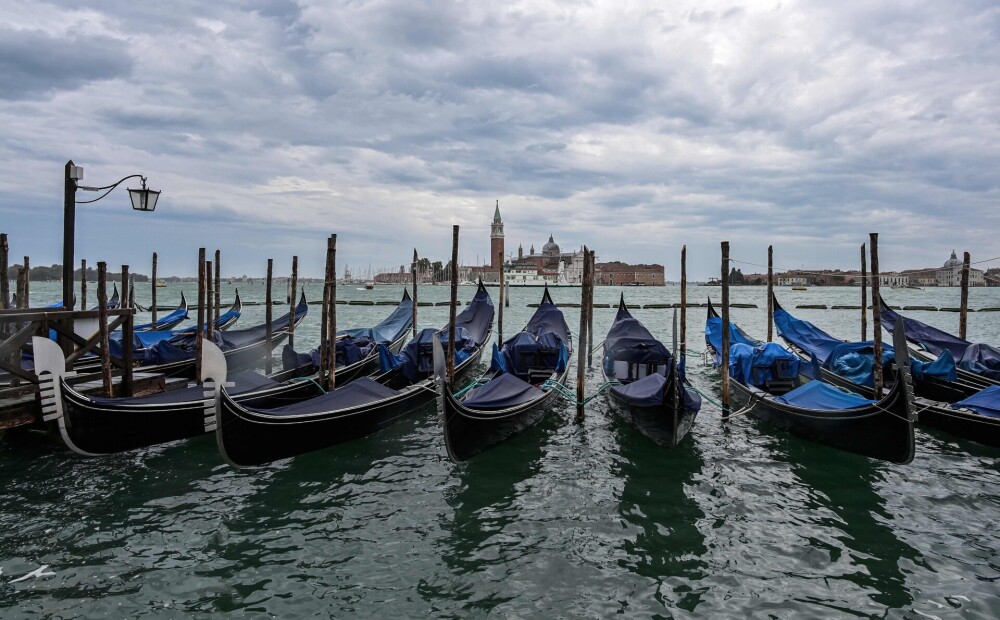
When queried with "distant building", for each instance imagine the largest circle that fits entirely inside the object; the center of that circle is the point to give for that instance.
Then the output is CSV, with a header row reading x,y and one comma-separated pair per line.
x,y
950,274
893,279
617,273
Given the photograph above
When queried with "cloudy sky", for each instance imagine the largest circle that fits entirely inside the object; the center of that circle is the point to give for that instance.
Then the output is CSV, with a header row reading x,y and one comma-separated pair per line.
x,y
634,127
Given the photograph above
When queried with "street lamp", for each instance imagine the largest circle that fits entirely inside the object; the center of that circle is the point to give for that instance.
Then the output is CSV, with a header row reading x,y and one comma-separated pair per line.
x,y
143,199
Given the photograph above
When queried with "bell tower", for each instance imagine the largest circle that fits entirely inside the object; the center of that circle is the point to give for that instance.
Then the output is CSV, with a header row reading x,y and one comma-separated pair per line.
x,y
496,241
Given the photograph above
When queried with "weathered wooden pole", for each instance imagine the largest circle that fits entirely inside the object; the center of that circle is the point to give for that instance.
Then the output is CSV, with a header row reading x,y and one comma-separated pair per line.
x,y
500,305
127,346
333,312
864,295
414,268
876,317
83,284
684,284
581,356
293,300
102,325
218,285
725,329
21,302
454,305
324,336
963,313
592,257
209,302
4,282
200,330
770,293
27,283
267,316
152,291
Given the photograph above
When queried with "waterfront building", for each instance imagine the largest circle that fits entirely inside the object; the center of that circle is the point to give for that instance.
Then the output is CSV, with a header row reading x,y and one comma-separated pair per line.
x,y
617,273
950,274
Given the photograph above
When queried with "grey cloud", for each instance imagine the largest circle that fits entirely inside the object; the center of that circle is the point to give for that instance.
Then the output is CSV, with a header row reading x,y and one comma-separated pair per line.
x,y
34,64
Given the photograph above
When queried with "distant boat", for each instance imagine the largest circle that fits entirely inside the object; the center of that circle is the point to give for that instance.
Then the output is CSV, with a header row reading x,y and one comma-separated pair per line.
x,y
161,284
369,285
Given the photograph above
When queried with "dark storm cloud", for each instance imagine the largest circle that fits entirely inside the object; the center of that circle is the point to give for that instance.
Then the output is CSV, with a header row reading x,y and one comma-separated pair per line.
x,y
34,64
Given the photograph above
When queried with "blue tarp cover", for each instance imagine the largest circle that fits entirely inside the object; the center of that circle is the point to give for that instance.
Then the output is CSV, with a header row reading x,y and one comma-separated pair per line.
x,y
982,359
646,392
930,338
763,363
803,334
986,402
852,360
822,396
502,392
389,330
542,345
356,393
713,333
628,340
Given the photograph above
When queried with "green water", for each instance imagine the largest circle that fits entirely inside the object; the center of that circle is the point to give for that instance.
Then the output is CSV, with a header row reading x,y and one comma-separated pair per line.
x,y
575,518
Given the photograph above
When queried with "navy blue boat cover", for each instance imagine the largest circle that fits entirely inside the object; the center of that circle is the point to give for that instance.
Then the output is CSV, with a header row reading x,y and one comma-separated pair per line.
x,y
982,359
390,329
930,338
503,391
854,361
472,326
985,402
542,345
181,346
628,340
822,396
646,392
359,392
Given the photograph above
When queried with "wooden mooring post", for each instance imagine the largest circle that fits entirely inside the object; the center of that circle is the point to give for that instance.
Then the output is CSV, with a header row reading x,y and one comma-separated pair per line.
x,y
582,344
324,323
963,310
592,257
333,311
684,283
454,308
200,329
4,282
27,282
500,305
864,295
876,317
83,284
152,291
414,269
293,300
209,302
22,288
127,345
770,293
268,316
218,287
102,325
725,330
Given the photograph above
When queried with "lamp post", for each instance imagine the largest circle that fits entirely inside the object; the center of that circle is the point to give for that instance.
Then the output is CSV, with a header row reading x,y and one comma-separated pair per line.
x,y
143,199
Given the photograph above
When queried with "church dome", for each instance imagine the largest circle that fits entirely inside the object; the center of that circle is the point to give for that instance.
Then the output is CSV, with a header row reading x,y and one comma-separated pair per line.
x,y
953,261
551,247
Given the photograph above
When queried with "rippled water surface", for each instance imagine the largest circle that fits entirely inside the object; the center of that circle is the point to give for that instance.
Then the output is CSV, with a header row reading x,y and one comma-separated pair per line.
x,y
575,518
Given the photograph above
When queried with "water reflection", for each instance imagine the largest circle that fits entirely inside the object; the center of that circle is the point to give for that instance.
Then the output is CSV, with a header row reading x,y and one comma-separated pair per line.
x,y
656,503
844,484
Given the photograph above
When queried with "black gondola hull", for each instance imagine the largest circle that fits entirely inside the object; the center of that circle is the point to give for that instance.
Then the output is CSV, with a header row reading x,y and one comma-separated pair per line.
x,y
664,424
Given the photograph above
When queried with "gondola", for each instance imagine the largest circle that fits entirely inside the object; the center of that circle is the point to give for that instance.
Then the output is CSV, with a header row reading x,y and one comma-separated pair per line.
x,y
169,321
765,378
514,393
978,364
145,338
174,356
92,426
253,435
357,352
652,390
941,403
